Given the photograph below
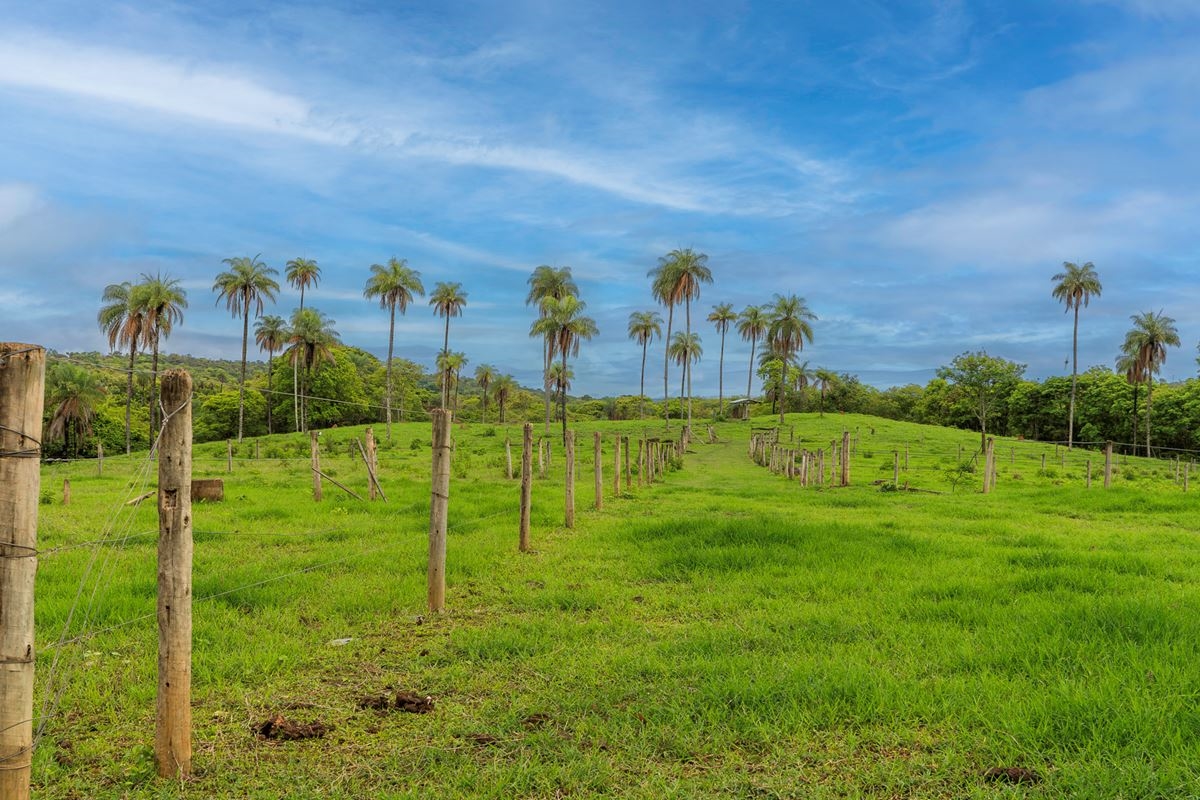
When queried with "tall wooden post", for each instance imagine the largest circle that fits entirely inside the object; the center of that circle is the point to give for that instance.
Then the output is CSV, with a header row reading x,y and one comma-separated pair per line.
x,y
895,467
989,456
1107,464
439,509
372,493
508,473
598,469
617,465
541,457
99,458
22,382
315,452
173,730
569,446
229,455
846,458
641,461
625,456
526,484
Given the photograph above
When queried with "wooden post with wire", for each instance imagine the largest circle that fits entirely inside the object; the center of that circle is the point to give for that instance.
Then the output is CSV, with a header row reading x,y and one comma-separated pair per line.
x,y
625,456
526,484
845,454
315,452
370,457
22,393
569,446
617,465
508,458
598,469
229,455
99,458
1107,464
439,509
895,468
173,728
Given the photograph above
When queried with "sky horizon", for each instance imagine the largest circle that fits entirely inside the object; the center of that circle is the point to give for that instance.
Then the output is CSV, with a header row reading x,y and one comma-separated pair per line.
x,y
916,171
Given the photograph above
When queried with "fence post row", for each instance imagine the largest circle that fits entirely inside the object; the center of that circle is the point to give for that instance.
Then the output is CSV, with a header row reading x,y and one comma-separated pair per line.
x,y
173,728
22,382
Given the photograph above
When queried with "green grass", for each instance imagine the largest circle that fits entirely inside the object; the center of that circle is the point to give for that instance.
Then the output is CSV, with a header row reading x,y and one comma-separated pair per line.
x,y
725,633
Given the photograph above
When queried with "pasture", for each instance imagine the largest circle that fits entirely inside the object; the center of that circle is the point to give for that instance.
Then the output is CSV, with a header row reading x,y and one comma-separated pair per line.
x,y
723,633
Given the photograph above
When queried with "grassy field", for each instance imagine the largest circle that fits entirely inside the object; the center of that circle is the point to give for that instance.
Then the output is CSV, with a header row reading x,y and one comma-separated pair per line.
x,y
724,633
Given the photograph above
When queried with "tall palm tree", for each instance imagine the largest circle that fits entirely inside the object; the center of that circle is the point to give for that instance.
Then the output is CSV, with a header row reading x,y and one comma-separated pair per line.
x,y
447,300
450,365
162,300
685,350
311,341
484,375
503,388
1075,286
123,322
270,334
790,327
825,378
752,325
564,325
395,285
722,317
1148,341
556,282
560,379
677,279
644,326
302,273
245,284
73,393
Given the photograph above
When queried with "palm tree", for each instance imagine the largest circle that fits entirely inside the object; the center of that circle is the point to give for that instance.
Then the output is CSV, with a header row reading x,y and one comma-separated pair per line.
x,y
801,376
677,279
270,334
560,378
1074,286
790,327
1152,334
394,285
547,281
447,300
247,283
311,341
752,325
484,375
162,300
123,322
685,351
643,327
825,378
503,388
722,317
302,273
1128,365
564,326
73,392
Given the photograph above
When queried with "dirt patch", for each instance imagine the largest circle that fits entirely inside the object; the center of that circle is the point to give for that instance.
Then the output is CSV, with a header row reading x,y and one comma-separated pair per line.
x,y
413,703
1012,775
482,739
536,721
279,728
374,702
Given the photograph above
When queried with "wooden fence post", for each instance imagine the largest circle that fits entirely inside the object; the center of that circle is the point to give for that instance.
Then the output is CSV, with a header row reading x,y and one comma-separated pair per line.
x,y
508,473
439,509
541,457
625,456
846,458
99,458
526,484
617,465
66,491
1043,462
315,452
173,728
369,434
895,467
598,470
229,455
569,446
22,393
989,462
1107,464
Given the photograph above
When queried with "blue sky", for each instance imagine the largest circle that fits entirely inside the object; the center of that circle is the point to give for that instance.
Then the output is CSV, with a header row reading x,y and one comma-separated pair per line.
x,y
916,170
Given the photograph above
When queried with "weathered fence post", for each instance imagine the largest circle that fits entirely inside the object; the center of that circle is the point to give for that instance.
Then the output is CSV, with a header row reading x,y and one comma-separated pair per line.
x,y
541,457
1043,462
66,491
569,458
846,457
372,476
508,458
598,469
625,456
895,467
173,728
439,508
989,459
617,465
1107,464
315,453
229,455
526,484
22,382
99,458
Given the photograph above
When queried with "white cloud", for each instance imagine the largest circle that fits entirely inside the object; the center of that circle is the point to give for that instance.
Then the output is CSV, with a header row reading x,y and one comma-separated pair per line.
x,y
17,200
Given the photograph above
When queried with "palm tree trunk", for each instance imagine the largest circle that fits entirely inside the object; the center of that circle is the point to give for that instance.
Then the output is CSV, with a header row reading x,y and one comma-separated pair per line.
x,y
446,368
642,387
388,402
721,379
1135,417
687,361
296,393
270,365
750,376
666,365
129,394
242,385
154,391
1149,400
1074,374
546,380
563,397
